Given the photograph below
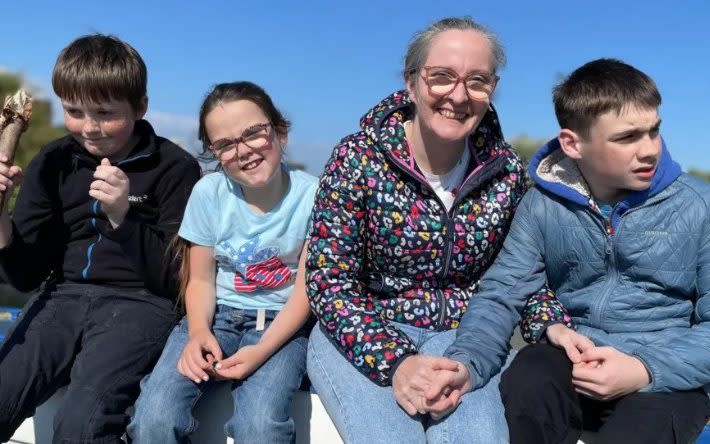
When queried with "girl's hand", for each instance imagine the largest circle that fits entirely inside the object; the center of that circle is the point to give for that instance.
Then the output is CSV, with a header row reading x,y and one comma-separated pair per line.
x,y
243,363
198,355
10,177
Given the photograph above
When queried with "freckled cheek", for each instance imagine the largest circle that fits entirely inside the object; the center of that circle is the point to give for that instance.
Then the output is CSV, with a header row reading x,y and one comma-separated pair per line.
x,y
117,129
73,125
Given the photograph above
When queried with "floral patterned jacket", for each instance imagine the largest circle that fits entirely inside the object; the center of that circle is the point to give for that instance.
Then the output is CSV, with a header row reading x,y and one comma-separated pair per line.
x,y
383,248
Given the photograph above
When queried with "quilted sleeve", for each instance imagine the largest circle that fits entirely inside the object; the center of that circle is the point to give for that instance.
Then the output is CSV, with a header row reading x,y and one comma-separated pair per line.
x,y
482,339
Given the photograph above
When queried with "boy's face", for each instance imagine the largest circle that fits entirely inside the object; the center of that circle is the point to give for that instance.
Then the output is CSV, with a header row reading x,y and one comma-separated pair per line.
x,y
104,129
621,153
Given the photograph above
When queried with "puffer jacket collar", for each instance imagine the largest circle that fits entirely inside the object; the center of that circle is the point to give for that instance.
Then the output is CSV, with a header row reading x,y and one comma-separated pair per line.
x,y
384,124
556,173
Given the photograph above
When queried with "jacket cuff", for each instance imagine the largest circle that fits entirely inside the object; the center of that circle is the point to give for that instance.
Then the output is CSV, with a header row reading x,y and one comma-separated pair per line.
x,y
651,387
463,359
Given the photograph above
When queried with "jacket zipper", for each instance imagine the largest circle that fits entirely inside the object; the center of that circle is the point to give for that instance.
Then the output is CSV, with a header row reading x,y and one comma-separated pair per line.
x,y
611,270
448,219
95,211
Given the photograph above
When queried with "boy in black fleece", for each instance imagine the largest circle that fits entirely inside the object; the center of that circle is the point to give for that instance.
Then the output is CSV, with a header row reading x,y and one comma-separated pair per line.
x,y
92,224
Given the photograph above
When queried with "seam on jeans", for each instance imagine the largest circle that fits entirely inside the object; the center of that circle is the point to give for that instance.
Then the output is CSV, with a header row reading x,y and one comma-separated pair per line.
x,y
317,361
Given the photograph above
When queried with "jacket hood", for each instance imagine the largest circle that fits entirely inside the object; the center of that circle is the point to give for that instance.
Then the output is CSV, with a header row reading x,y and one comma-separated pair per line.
x,y
384,124
556,173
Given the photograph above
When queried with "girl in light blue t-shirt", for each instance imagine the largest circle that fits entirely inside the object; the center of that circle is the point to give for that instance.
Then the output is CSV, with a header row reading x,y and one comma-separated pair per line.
x,y
244,234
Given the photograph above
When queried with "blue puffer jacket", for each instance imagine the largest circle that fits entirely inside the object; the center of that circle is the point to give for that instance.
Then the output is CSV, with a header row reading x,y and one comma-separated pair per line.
x,y
639,281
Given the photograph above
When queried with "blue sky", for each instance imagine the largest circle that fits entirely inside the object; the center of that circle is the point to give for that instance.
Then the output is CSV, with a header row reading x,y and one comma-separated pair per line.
x,y
326,63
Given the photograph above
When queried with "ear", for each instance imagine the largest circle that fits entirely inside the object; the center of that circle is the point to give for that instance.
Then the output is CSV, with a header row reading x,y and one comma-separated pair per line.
x,y
410,83
283,140
570,142
142,108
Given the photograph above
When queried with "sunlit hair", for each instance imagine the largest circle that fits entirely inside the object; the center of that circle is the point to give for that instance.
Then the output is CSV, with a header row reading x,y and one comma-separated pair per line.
x,y
418,48
243,90
598,87
97,68
179,249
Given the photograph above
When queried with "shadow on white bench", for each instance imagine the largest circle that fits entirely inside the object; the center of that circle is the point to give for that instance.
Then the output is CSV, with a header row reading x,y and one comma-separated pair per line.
x,y
312,422
313,425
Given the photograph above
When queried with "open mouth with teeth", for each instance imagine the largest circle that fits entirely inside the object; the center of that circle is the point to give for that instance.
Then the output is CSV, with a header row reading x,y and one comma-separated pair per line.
x,y
251,165
447,113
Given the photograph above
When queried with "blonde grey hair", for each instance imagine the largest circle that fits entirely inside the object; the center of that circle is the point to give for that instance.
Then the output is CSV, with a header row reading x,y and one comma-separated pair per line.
x,y
418,48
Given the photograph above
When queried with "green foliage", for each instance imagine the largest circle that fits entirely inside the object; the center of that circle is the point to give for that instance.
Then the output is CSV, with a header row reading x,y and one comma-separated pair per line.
x,y
40,130
705,175
525,146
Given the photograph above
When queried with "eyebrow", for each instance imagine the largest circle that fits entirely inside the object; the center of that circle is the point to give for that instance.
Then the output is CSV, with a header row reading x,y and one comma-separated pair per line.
x,y
248,130
254,127
636,130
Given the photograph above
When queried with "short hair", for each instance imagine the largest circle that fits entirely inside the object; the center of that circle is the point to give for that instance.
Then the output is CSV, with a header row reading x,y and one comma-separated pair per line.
x,y
98,67
242,90
598,87
419,44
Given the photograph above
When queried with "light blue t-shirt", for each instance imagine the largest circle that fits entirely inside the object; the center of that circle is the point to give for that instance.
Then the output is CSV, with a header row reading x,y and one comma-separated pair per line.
x,y
257,255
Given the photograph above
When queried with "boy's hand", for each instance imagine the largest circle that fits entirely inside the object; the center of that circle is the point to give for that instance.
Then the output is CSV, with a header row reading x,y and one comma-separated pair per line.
x,y
445,392
10,177
198,355
606,373
573,343
111,189
414,377
243,363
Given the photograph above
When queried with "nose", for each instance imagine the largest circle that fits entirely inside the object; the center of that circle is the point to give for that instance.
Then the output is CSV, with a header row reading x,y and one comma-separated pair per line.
x,y
91,125
649,148
243,151
459,94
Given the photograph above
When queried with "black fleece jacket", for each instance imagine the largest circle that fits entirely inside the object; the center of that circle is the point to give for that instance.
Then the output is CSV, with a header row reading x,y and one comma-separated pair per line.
x,y
59,229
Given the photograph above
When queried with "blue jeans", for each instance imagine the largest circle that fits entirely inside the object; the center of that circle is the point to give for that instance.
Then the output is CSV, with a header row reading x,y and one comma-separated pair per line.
x,y
364,412
164,409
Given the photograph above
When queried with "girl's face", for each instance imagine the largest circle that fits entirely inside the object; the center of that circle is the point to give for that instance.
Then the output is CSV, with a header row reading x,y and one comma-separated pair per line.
x,y
245,143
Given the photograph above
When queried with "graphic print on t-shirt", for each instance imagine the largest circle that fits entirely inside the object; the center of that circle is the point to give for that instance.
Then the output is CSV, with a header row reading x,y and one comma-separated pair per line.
x,y
257,267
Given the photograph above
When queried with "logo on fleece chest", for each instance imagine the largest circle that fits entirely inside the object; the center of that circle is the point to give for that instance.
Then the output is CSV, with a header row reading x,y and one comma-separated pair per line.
x,y
257,267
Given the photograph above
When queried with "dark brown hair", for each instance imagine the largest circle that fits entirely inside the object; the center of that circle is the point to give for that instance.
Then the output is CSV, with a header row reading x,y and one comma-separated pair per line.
x,y
180,250
243,90
598,87
96,68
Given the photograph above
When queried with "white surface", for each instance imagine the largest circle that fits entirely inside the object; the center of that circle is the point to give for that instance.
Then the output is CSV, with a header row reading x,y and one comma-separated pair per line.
x,y
312,422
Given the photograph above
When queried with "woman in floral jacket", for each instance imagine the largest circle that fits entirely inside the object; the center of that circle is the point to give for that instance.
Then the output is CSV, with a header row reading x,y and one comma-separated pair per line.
x,y
410,212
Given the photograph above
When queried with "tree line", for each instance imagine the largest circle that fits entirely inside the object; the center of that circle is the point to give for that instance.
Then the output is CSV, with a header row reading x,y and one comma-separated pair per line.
x,y
41,131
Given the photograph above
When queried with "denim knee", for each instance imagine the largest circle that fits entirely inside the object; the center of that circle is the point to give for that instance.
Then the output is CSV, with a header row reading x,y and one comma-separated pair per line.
x,y
157,420
258,425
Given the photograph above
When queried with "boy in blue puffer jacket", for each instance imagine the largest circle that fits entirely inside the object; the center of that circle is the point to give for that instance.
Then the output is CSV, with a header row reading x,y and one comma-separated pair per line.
x,y
622,236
